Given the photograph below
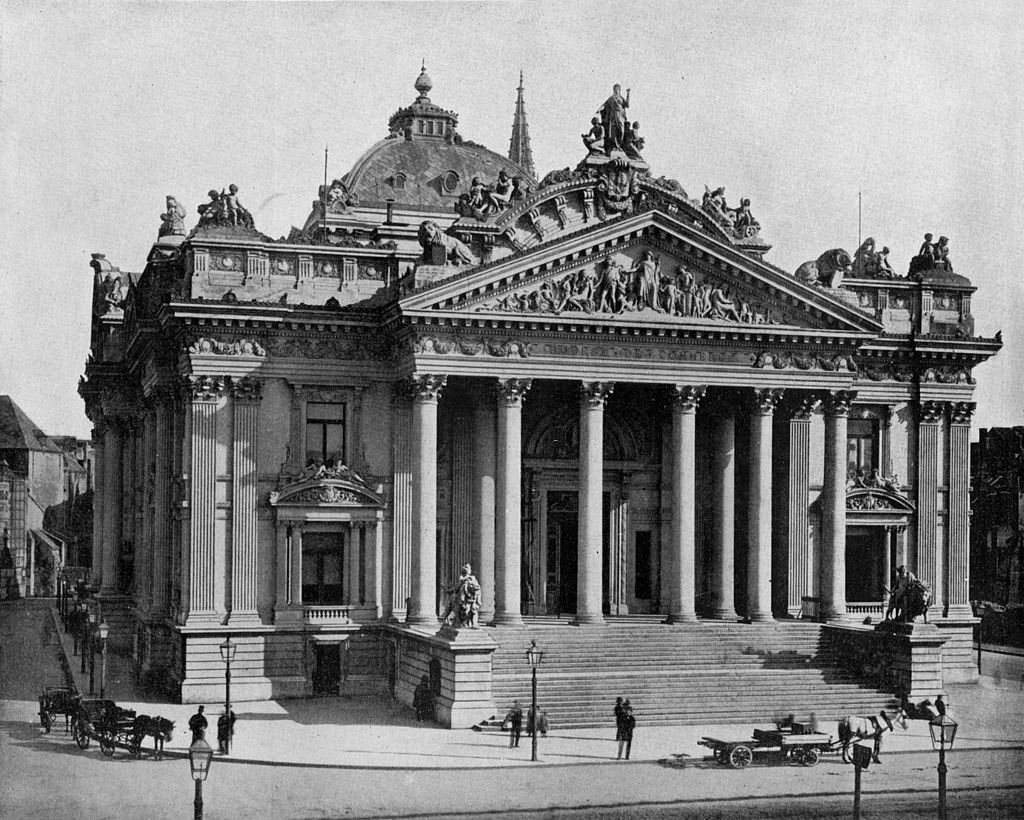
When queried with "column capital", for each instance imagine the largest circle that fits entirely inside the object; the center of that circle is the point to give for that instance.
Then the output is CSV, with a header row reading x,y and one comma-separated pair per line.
x,y
686,397
246,389
931,412
595,394
839,402
764,400
512,392
960,412
200,388
426,387
802,407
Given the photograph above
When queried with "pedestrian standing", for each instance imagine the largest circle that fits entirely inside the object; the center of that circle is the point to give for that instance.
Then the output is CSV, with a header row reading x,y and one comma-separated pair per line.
x,y
628,725
542,724
940,705
223,732
514,719
619,713
423,701
197,723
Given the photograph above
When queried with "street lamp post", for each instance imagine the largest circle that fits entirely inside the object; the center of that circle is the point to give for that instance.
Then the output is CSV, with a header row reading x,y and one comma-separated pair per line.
x,y
92,651
73,622
227,654
200,756
83,626
104,631
534,656
943,731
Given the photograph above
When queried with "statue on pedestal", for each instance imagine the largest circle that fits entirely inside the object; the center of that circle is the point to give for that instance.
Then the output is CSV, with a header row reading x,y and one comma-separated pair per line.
x,y
465,600
173,219
594,138
613,119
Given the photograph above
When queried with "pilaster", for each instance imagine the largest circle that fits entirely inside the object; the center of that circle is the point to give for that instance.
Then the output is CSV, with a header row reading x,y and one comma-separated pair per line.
x,y
929,551
508,504
833,499
958,521
245,400
423,603
682,552
593,396
161,507
145,481
99,491
112,461
799,564
722,559
759,517
484,471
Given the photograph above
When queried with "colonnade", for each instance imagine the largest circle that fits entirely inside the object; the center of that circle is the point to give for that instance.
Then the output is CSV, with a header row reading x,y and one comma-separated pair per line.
x,y
497,504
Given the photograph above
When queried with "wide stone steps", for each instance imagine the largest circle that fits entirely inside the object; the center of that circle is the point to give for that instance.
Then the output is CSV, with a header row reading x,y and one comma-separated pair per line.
x,y
704,673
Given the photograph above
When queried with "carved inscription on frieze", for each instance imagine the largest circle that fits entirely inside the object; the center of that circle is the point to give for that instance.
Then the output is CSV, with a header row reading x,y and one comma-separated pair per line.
x,y
658,354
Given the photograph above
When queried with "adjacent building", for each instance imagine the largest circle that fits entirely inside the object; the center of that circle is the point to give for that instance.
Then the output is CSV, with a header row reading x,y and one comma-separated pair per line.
x,y
591,387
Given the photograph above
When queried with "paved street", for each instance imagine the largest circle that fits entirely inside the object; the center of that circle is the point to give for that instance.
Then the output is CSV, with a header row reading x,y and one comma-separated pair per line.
x,y
346,758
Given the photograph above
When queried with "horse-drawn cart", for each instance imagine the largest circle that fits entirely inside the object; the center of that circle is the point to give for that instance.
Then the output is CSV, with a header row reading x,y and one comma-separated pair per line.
x,y
57,700
104,720
774,745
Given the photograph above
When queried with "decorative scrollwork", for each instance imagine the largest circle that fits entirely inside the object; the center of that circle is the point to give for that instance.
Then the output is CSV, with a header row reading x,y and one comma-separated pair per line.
x,y
839,402
931,412
246,389
686,397
205,388
765,399
595,394
240,347
427,387
512,392
960,412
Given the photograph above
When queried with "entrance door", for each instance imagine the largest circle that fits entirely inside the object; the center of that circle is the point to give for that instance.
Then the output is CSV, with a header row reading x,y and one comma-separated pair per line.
x,y
867,564
562,534
327,675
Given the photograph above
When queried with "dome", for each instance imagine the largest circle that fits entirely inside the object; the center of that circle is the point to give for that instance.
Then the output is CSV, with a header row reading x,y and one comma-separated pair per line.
x,y
423,164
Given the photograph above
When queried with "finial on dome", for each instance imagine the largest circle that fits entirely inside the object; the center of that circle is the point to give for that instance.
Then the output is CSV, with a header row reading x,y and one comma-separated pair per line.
x,y
423,82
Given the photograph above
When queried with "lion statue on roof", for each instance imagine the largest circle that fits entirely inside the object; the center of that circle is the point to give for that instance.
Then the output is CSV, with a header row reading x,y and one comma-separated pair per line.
x,y
455,251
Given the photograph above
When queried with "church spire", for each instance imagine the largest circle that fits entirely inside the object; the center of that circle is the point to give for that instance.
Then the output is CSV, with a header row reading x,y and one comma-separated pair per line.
x,y
519,146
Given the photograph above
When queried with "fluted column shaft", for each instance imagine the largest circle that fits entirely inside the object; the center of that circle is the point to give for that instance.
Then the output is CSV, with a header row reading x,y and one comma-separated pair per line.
x,y
929,549
484,512
206,392
423,600
591,514
98,492
798,555
959,508
112,496
146,479
508,549
245,395
161,508
682,551
724,443
759,516
833,507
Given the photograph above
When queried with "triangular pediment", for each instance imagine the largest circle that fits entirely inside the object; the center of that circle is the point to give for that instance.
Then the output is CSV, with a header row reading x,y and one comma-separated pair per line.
x,y
650,269
328,489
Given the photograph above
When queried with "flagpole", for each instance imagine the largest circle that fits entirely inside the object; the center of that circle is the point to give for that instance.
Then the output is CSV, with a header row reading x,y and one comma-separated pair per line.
x,y
323,197
858,218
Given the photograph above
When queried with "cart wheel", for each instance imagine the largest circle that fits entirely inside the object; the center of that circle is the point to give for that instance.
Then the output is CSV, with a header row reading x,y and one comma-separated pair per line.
x,y
135,749
810,757
107,746
797,755
740,756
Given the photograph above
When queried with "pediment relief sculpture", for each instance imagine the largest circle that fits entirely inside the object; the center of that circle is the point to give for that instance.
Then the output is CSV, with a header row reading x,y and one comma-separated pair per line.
x,y
619,286
327,485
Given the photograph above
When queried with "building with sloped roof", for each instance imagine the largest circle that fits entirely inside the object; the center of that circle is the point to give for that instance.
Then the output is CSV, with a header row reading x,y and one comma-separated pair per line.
x,y
462,406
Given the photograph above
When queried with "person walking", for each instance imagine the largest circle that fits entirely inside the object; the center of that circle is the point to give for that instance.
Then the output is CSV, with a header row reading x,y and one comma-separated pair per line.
x,y
514,719
197,723
628,725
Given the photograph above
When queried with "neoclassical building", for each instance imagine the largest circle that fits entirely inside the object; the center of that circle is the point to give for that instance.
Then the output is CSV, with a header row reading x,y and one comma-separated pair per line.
x,y
592,387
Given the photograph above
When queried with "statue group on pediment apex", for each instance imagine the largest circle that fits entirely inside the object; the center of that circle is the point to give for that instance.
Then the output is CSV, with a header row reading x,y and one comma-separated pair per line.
x,y
875,480
611,132
869,263
223,209
931,256
611,288
483,199
739,222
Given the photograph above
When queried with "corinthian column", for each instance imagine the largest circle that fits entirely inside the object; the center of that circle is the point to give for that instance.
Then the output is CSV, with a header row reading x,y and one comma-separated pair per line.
x,y
833,507
759,515
929,550
724,443
682,552
508,550
98,491
593,395
112,500
245,394
161,506
423,600
483,505
959,461
798,555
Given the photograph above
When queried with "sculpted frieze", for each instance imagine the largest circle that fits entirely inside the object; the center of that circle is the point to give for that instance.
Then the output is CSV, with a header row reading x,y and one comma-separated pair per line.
x,y
611,288
649,353
471,346
783,360
206,346
299,348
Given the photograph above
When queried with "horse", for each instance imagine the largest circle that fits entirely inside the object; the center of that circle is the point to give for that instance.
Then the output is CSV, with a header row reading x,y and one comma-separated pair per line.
x,y
159,728
861,728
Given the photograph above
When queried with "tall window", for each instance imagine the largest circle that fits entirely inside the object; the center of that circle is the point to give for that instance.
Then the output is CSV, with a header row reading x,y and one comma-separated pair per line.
x,y
861,447
323,562
325,432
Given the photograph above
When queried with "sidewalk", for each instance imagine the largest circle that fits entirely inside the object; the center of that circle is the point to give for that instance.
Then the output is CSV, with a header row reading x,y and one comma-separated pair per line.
x,y
378,733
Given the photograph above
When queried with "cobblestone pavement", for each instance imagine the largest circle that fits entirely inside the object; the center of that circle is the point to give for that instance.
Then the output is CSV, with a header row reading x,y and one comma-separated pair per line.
x,y
358,758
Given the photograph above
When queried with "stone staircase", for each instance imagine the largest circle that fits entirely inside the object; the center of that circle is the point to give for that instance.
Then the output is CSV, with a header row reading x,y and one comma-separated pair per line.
x,y
704,673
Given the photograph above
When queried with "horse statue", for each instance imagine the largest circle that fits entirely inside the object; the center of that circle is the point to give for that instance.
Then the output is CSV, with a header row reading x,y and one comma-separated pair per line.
x,y
455,250
827,270
860,728
159,728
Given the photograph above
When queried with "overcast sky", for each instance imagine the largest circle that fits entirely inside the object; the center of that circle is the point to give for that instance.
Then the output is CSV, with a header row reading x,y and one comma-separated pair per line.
x,y
106,108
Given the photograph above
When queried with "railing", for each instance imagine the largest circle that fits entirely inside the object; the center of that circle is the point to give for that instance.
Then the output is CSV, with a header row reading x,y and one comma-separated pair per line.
x,y
868,608
326,614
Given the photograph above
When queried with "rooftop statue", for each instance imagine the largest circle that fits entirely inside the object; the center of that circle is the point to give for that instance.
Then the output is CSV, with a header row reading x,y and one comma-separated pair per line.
x,y
593,140
932,256
173,219
484,200
714,204
440,248
827,270
633,143
224,209
613,120
337,198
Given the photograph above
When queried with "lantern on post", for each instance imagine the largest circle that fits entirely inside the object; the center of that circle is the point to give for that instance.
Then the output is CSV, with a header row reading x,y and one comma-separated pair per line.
x,y
534,656
200,756
943,732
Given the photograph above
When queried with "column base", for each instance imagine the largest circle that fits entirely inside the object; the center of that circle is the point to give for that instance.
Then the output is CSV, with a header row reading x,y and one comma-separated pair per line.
x,y
486,616
588,619
724,615
761,617
507,619
428,623
681,618
245,619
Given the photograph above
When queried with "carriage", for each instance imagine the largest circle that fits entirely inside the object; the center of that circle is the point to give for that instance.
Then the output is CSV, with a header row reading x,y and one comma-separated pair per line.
x,y
57,700
794,744
104,720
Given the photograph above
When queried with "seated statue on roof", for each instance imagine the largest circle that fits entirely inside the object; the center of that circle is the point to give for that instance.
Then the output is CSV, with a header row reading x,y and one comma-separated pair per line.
x,y
932,256
173,219
714,204
224,208
593,140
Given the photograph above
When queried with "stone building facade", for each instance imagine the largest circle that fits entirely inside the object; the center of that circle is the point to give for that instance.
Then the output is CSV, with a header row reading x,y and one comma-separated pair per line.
x,y
592,388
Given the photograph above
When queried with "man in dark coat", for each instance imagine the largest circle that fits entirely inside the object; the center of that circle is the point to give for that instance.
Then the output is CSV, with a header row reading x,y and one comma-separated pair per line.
x,y
225,730
514,719
197,723
423,701
628,725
